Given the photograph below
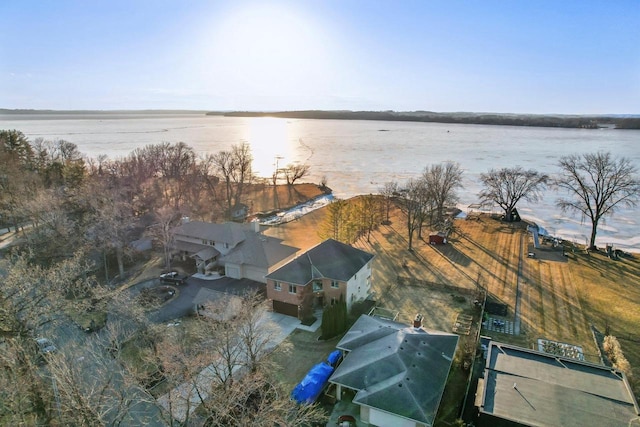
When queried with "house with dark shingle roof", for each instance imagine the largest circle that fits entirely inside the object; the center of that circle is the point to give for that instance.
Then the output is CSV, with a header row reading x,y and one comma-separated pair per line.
x,y
523,387
241,249
398,372
322,275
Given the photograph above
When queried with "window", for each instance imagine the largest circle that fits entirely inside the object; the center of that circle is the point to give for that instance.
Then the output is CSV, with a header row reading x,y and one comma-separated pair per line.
x,y
335,284
277,286
317,286
292,289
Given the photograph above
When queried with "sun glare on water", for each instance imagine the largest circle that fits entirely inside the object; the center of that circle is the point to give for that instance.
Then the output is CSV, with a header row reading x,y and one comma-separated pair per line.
x,y
271,146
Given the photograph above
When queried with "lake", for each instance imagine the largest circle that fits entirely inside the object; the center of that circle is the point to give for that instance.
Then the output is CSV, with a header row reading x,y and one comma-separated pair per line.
x,y
358,157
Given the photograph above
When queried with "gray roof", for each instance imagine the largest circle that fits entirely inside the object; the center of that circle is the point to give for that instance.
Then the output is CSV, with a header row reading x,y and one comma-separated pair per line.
x,y
206,253
247,246
396,368
228,232
330,259
259,250
540,389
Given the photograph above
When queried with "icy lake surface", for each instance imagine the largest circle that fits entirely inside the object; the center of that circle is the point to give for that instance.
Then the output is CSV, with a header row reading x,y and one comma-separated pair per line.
x,y
358,157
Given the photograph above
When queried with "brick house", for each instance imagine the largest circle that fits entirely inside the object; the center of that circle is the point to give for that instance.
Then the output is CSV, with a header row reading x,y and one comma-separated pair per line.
x,y
320,276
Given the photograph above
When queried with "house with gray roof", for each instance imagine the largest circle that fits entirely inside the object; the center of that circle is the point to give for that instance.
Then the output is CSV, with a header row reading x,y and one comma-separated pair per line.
x,y
398,372
322,275
522,387
241,249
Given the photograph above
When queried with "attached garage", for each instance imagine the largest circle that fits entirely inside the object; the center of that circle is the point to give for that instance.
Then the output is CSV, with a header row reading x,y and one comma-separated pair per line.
x,y
232,271
255,273
285,308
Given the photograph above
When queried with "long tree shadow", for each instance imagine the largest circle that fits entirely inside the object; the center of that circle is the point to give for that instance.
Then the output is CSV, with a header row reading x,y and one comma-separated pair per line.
x,y
498,258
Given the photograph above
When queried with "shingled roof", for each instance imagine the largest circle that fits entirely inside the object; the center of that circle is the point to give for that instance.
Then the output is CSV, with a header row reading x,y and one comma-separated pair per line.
x,y
396,368
260,250
330,259
228,232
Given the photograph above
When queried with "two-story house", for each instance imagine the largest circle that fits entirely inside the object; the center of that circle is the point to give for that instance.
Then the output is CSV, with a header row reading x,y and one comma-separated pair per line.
x,y
322,275
241,249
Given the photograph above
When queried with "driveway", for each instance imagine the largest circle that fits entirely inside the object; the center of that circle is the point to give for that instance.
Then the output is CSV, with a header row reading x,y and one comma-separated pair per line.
x,y
182,305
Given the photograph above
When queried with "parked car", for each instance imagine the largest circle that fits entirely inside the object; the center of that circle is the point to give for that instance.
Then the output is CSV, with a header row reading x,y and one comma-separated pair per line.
x,y
169,274
173,278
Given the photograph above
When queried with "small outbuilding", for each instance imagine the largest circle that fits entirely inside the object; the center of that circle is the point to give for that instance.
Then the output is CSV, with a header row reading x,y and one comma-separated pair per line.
x,y
438,239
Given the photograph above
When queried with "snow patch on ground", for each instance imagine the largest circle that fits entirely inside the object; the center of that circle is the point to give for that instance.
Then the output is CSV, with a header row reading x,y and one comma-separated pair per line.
x,y
298,211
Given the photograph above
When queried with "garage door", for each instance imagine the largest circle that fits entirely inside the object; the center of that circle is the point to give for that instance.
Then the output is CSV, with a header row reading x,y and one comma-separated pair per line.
x,y
233,272
285,308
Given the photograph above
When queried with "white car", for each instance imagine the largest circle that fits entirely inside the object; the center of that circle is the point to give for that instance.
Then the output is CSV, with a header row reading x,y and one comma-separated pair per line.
x,y
169,275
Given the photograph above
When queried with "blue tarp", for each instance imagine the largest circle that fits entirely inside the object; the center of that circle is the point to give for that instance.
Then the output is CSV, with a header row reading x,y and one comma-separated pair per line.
x,y
334,357
308,390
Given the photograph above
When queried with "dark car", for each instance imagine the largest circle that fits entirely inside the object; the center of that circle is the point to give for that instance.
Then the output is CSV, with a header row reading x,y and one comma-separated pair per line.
x,y
173,278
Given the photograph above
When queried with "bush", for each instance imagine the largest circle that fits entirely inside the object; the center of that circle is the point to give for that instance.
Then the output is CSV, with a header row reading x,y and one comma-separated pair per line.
x,y
614,353
334,319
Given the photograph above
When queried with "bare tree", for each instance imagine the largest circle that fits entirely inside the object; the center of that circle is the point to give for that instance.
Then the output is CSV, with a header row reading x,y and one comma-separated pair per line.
x,y
389,190
442,180
243,159
235,168
111,221
413,202
34,296
507,186
25,395
166,220
596,185
296,171
90,388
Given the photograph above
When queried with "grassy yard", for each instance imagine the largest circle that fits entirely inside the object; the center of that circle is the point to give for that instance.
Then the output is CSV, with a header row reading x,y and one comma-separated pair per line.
x,y
561,297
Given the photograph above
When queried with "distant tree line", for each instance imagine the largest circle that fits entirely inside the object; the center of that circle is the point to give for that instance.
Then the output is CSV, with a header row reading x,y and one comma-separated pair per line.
x,y
561,121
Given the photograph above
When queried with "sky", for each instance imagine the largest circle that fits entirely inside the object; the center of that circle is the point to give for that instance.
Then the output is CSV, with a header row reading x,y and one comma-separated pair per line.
x,y
567,57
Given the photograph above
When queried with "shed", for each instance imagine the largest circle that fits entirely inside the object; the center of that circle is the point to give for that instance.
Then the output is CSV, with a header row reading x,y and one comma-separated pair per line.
x,y
437,239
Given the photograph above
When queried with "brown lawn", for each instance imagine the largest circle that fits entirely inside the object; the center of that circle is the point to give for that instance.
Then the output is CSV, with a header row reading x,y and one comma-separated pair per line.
x,y
266,198
560,296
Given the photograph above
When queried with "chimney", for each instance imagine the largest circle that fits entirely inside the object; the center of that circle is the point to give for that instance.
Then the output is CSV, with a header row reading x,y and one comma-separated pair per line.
x,y
417,322
256,226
